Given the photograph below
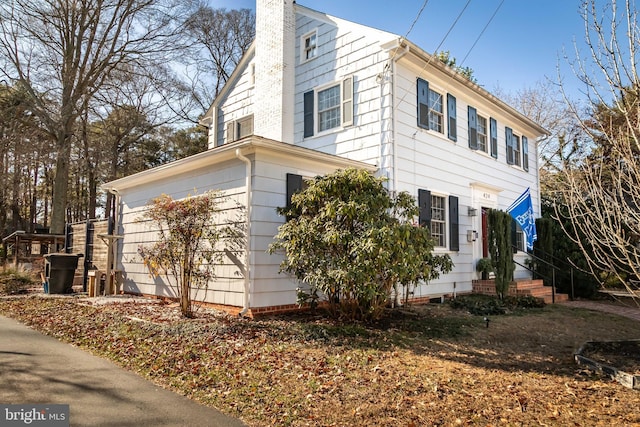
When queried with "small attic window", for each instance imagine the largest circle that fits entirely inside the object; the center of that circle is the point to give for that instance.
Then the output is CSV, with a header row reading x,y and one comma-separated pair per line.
x,y
309,46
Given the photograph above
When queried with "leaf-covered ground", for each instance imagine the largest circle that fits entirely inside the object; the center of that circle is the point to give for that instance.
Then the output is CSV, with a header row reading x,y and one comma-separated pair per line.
x,y
436,366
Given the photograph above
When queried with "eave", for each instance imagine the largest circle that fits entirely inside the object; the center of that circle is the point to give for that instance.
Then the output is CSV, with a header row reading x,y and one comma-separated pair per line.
x,y
399,49
214,156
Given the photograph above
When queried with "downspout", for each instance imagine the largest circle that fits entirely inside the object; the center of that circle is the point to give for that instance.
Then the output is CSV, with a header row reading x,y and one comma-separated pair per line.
x,y
247,269
394,144
393,118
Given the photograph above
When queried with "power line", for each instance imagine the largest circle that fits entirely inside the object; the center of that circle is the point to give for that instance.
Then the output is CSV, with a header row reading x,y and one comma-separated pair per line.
x,y
440,44
481,33
415,21
452,25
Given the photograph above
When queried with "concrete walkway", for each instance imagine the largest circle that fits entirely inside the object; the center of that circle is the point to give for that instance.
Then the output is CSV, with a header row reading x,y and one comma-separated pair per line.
x,y
630,312
35,368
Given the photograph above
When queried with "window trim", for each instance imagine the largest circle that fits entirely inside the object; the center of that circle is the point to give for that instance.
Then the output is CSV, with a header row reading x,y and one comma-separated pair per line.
x,y
486,133
424,108
508,136
444,221
438,113
313,34
311,112
517,150
450,218
516,155
336,106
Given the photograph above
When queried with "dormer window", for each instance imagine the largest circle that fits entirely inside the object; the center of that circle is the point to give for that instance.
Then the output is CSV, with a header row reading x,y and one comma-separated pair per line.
x,y
309,46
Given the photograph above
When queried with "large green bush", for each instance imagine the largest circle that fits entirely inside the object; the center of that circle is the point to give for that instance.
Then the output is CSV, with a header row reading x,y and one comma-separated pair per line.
x,y
350,242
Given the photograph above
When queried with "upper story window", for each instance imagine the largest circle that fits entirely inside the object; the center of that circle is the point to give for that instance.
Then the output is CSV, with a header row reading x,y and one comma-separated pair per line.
x,y
431,114
309,46
328,107
517,149
436,114
482,133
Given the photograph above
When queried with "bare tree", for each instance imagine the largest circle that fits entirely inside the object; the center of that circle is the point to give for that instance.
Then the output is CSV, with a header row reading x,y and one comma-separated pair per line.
x,y
63,51
599,191
219,39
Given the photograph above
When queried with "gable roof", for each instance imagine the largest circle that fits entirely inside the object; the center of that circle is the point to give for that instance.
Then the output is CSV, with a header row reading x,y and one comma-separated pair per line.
x,y
394,41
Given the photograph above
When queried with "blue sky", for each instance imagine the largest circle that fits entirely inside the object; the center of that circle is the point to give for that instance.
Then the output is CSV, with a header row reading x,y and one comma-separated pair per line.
x,y
522,45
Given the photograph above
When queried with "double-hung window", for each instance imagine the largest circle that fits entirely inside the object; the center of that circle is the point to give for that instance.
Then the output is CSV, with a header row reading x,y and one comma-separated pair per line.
x,y
482,133
431,109
440,214
309,46
516,150
478,130
438,220
436,114
328,108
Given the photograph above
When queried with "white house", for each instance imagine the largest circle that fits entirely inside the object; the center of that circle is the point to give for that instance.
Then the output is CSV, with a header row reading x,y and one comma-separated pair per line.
x,y
314,94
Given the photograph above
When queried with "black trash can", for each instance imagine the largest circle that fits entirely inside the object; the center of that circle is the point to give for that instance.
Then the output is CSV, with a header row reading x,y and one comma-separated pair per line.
x,y
59,269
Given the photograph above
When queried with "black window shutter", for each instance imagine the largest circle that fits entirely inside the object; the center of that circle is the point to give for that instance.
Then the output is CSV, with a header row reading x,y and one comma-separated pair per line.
x,y
452,117
473,128
308,114
423,103
424,203
454,240
493,129
294,184
509,139
514,238
525,153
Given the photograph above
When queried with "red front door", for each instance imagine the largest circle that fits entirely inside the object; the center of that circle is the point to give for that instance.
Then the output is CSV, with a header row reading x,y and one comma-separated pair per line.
x,y
485,233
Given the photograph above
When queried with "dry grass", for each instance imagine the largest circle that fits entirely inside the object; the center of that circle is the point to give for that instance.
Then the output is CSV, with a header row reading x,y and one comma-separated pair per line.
x,y
435,366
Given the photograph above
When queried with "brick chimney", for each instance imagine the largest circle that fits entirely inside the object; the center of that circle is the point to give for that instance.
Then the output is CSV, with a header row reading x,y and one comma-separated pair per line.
x,y
275,64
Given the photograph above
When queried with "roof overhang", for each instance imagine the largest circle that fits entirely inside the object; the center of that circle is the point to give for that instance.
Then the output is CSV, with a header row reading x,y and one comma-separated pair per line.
x,y
399,48
227,152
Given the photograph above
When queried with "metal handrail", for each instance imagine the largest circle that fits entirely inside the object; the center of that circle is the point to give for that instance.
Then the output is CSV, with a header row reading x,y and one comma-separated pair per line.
x,y
566,262
553,278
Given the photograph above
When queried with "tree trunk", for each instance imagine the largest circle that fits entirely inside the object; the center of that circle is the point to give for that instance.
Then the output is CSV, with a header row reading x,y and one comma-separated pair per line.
x,y
61,183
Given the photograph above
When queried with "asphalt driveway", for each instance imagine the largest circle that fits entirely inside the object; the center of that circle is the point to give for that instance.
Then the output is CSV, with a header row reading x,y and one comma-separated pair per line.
x,y
35,368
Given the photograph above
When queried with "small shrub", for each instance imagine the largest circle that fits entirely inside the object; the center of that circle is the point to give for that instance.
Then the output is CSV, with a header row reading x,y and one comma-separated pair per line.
x,y
483,305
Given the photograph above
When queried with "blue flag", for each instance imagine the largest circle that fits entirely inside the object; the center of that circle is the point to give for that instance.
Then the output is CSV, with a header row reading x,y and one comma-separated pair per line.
x,y
522,211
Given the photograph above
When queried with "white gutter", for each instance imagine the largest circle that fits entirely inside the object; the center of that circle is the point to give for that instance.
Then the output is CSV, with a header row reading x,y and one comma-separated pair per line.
x,y
247,269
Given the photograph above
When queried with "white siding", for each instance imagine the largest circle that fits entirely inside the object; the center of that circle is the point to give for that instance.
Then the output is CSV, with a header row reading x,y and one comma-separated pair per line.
x,y
237,102
227,288
344,49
